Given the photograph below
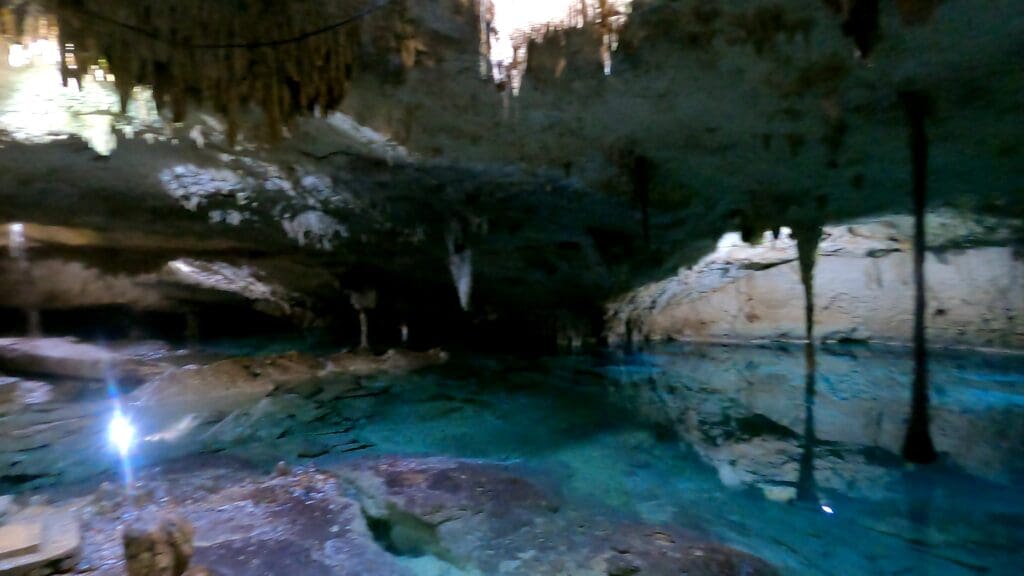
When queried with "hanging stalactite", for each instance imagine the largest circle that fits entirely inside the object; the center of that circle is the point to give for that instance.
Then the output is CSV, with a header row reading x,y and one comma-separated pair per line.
x,y
807,229
283,60
918,446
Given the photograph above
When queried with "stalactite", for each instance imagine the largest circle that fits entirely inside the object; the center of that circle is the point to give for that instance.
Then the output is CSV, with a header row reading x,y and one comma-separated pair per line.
x,y
363,301
807,231
861,22
918,446
460,264
273,57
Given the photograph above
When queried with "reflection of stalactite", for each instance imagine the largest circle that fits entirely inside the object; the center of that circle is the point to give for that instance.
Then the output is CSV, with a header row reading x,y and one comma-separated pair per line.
x,y
273,56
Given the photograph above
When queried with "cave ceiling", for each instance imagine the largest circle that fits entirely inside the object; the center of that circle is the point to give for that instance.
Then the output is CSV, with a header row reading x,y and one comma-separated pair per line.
x,y
724,114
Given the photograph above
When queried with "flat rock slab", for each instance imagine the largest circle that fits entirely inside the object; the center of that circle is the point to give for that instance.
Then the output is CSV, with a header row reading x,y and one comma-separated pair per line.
x,y
20,539
66,358
38,537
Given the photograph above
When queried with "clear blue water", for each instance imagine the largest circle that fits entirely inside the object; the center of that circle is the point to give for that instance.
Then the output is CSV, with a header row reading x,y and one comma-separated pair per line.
x,y
701,437
706,438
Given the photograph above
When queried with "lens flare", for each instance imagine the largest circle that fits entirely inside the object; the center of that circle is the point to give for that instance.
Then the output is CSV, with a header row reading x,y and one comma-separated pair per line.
x,y
121,433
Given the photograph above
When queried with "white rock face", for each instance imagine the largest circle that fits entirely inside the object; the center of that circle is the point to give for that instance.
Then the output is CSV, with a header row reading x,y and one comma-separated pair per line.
x,y
863,289
315,229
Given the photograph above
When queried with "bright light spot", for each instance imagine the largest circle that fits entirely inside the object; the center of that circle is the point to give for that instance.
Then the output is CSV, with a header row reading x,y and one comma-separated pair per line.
x,y
121,433
16,234
42,51
17,56
827,509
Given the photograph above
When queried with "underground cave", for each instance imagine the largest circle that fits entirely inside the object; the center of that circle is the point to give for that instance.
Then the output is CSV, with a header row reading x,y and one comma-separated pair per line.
x,y
511,287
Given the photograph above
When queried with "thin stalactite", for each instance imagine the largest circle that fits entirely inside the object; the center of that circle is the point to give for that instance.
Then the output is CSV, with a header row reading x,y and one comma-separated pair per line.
x,y
808,235
918,446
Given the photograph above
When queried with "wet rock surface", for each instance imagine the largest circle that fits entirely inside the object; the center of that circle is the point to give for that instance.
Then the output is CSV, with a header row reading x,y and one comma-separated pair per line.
x,y
157,545
66,357
461,517
38,540
244,525
295,405
484,518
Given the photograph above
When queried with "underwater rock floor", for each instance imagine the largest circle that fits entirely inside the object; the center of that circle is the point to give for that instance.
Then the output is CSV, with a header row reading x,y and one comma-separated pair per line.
x,y
393,516
678,460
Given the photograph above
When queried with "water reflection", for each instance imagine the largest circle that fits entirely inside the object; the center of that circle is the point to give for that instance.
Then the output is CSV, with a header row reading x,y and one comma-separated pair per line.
x,y
743,410
700,437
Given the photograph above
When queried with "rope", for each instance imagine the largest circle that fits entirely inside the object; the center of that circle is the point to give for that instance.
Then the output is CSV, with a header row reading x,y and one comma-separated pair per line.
x,y
238,45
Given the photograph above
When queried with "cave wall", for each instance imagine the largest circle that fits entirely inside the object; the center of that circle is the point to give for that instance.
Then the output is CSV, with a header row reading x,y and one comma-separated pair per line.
x,y
864,291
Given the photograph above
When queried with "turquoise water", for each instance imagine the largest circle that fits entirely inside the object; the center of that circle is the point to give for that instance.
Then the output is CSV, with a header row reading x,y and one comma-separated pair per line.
x,y
706,438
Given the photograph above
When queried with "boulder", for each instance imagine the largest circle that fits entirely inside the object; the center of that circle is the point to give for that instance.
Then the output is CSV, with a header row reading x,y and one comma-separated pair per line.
x,y
158,545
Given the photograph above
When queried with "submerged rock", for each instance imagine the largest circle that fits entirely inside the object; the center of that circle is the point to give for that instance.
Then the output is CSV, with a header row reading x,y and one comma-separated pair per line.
x,y
392,362
244,525
483,517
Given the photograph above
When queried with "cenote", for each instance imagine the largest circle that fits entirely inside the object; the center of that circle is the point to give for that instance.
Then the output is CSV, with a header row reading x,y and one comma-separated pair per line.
x,y
501,287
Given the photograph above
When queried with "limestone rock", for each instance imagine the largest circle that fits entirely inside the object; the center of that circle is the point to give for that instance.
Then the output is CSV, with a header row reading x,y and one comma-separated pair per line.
x,y
158,545
472,513
66,357
392,362
7,506
16,392
39,540
863,288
